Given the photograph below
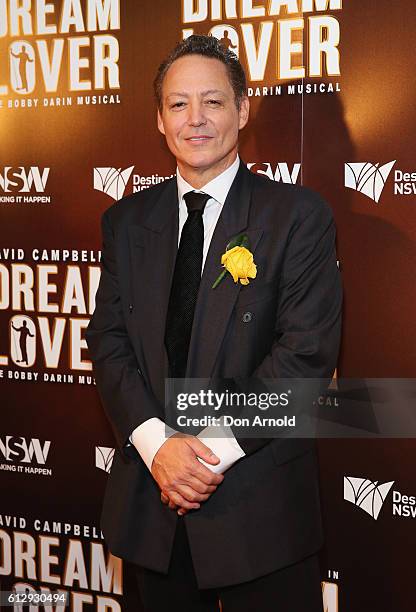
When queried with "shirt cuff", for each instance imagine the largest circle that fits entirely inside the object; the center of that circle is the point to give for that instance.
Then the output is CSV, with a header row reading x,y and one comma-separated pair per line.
x,y
221,440
148,437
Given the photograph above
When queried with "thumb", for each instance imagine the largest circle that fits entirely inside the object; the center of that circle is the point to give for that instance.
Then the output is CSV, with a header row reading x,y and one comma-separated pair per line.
x,y
203,451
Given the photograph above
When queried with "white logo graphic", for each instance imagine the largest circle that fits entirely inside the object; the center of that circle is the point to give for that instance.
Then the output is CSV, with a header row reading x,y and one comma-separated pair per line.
x,y
112,181
23,341
366,494
18,449
367,178
281,172
21,180
22,64
104,458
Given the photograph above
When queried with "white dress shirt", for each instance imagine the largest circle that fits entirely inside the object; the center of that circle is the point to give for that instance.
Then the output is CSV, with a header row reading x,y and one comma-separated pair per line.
x,y
150,435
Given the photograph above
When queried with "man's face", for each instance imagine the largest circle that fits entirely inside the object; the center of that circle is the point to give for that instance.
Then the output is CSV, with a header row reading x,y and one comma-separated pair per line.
x,y
199,117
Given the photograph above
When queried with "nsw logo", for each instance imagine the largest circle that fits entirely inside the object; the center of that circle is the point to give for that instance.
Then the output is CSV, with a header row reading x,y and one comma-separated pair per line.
x,y
366,494
281,172
104,458
20,450
368,179
112,181
22,180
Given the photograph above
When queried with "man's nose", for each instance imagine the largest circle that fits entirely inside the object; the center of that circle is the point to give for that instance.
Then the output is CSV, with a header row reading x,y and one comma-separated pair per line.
x,y
196,114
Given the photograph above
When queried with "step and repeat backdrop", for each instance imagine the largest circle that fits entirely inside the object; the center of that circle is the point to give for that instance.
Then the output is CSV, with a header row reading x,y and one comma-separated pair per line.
x,y
332,96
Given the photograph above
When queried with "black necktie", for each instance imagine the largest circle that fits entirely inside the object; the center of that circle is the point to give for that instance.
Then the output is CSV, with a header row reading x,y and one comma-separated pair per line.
x,y
185,285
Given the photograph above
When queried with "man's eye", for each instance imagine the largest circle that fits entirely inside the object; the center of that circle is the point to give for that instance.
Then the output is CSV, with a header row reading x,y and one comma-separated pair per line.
x,y
213,102
178,104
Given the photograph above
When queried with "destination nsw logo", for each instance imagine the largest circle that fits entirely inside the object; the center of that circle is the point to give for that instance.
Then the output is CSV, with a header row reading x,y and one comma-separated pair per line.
x,y
113,181
371,496
366,494
104,458
370,179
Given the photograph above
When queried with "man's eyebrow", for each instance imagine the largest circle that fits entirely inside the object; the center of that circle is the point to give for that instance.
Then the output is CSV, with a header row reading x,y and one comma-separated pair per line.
x,y
212,91
183,94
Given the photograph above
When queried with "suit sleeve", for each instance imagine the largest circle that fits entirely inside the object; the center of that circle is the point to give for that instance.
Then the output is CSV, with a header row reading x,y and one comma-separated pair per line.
x,y
308,319
126,399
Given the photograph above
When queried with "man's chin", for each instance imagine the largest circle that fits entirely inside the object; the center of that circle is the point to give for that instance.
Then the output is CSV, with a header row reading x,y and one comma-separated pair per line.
x,y
203,161
199,162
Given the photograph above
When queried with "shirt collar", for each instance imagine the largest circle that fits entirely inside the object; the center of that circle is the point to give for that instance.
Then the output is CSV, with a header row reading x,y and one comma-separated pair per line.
x,y
218,188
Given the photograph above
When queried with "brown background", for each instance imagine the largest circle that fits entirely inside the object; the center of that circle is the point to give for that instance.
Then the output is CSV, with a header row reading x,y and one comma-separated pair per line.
x,y
372,119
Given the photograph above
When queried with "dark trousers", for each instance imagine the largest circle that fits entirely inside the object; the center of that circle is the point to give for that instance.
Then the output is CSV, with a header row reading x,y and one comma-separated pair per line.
x,y
296,588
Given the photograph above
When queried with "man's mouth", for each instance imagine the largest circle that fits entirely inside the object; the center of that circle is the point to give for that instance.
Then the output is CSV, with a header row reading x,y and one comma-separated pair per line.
x,y
198,138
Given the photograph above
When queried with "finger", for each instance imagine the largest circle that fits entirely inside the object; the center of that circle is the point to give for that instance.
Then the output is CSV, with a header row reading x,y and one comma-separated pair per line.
x,y
203,451
200,487
166,500
190,494
206,475
181,501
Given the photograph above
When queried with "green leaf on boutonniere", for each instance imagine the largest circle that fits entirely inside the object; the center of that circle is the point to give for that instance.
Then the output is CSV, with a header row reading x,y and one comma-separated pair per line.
x,y
240,240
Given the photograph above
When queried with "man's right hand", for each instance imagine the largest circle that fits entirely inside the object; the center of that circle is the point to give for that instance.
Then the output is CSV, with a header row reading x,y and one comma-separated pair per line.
x,y
181,477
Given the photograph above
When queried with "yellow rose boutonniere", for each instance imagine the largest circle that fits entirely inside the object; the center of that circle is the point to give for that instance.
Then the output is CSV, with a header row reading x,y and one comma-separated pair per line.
x,y
238,261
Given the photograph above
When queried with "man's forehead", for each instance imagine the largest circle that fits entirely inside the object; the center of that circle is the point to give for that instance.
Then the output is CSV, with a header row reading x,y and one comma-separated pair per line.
x,y
186,68
184,76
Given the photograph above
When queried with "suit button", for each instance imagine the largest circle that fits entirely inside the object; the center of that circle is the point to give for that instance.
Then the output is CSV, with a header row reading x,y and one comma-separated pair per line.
x,y
247,316
130,308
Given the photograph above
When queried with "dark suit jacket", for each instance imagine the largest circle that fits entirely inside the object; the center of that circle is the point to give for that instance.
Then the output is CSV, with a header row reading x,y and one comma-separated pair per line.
x,y
266,513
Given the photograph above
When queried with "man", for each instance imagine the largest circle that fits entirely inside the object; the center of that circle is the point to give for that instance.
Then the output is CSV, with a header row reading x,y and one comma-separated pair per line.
x,y
230,519
23,337
227,42
23,58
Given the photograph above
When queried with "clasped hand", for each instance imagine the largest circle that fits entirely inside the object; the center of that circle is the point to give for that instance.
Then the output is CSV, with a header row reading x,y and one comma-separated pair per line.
x,y
183,480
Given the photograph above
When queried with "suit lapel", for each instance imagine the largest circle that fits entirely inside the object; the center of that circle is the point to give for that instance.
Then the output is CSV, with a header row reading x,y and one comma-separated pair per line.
x,y
214,306
153,248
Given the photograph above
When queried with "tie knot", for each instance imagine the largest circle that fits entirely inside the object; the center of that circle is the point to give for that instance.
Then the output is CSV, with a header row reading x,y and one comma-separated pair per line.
x,y
196,201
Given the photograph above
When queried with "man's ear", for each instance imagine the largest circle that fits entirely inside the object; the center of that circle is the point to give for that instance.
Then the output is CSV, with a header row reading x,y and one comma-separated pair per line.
x,y
160,125
243,112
